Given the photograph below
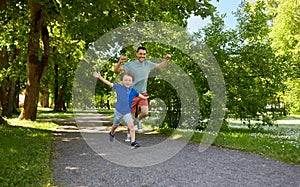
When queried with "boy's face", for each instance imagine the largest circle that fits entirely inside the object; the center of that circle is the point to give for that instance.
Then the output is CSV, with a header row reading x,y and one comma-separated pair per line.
x,y
141,55
127,81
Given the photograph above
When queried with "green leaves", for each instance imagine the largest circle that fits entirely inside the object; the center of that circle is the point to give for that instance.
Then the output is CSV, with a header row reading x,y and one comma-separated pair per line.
x,y
253,73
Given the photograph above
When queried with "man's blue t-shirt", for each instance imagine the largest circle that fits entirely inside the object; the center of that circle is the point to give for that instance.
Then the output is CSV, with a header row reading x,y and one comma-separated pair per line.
x,y
140,72
124,98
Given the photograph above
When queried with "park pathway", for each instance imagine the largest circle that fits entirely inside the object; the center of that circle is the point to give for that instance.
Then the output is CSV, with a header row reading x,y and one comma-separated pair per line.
x,y
78,162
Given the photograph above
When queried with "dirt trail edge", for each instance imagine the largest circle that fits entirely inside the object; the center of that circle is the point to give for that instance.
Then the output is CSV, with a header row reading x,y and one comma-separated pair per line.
x,y
76,163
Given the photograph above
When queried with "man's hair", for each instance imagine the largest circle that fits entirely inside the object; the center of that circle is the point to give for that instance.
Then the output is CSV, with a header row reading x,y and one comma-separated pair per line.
x,y
141,48
128,74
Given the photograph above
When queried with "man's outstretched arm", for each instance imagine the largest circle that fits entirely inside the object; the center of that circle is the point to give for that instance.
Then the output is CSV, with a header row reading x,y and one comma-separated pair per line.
x,y
119,67
164,63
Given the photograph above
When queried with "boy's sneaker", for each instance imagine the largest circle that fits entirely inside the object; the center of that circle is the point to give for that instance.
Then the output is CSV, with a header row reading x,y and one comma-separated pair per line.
x,y
127,138
111,137
134,145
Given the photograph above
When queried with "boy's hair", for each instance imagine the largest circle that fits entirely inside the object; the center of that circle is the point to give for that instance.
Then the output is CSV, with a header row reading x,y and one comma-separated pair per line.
x,y
141,48
128,74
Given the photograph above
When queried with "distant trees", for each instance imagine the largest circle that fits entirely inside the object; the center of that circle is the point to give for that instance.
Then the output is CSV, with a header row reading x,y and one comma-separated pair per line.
x,y
42,43
49,37
285,38
257,58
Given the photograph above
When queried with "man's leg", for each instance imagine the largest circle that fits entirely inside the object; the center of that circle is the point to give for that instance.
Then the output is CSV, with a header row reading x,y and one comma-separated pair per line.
x,y
144,112
143,104
127,135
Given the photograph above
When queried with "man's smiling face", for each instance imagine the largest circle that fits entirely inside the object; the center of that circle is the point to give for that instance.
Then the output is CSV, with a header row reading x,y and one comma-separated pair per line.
x,y
141,55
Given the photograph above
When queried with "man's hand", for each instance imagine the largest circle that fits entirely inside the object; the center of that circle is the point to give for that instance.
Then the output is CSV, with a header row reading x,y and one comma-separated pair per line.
x,y
118,67
123,59
168,57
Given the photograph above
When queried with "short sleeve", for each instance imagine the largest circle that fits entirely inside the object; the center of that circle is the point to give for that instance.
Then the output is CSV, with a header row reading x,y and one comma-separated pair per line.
x,y
126,66
135,93
115,86
151,64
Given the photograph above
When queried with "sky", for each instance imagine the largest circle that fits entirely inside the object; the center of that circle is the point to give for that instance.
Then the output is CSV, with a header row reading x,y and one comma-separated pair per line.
x,y
223,6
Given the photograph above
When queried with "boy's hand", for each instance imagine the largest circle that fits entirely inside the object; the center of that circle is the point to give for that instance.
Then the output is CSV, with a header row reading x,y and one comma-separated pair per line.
x,y
143,97
96,74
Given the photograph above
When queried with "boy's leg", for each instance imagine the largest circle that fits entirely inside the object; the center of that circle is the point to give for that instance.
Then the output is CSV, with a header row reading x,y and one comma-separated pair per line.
x,y
129,121
134,107
131,130
116,122
113,128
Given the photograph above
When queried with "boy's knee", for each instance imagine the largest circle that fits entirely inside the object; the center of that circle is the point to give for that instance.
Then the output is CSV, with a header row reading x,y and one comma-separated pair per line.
x,y
130,126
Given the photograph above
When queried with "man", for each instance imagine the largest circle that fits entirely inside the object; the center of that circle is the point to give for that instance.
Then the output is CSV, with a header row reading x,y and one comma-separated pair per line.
x,y
140,68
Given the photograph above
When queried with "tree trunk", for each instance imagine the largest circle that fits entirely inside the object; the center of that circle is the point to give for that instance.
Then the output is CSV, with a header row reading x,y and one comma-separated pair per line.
x,y
2,4
2,121
56,87
11,106
45,97
35,67
107,104
60,105
4,82
8,89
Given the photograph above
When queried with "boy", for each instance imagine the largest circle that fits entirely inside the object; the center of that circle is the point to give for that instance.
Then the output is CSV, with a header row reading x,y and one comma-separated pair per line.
x,y
125,95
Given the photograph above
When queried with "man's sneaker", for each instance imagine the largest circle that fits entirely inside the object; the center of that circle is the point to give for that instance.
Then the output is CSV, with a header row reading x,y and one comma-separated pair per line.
x,y
111,137
139,125
134,145
127,138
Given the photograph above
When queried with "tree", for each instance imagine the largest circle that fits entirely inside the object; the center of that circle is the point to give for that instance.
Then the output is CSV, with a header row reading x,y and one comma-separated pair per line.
x,y
12,54
84,21
256,75
285,38
36,65
251,70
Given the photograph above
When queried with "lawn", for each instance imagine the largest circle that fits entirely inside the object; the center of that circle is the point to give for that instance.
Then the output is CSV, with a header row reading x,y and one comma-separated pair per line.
x,y
281,142
25,154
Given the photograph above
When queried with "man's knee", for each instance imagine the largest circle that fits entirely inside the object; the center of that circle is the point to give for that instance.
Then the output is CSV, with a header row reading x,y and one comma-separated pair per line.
x,y
144,113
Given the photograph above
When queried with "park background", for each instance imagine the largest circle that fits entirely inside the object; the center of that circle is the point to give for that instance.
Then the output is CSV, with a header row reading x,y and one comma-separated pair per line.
x,y
42,43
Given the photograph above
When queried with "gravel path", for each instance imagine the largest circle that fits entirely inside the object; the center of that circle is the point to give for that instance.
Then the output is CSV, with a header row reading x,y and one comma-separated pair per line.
x,y
78,162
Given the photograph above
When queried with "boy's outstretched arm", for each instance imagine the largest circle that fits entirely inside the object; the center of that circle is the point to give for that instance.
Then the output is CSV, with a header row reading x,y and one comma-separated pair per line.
x,y
143,97
98,75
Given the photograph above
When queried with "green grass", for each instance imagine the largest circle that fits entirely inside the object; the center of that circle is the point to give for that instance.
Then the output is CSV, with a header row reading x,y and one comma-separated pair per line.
x,y
25,153
282,144
26,148
49,114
